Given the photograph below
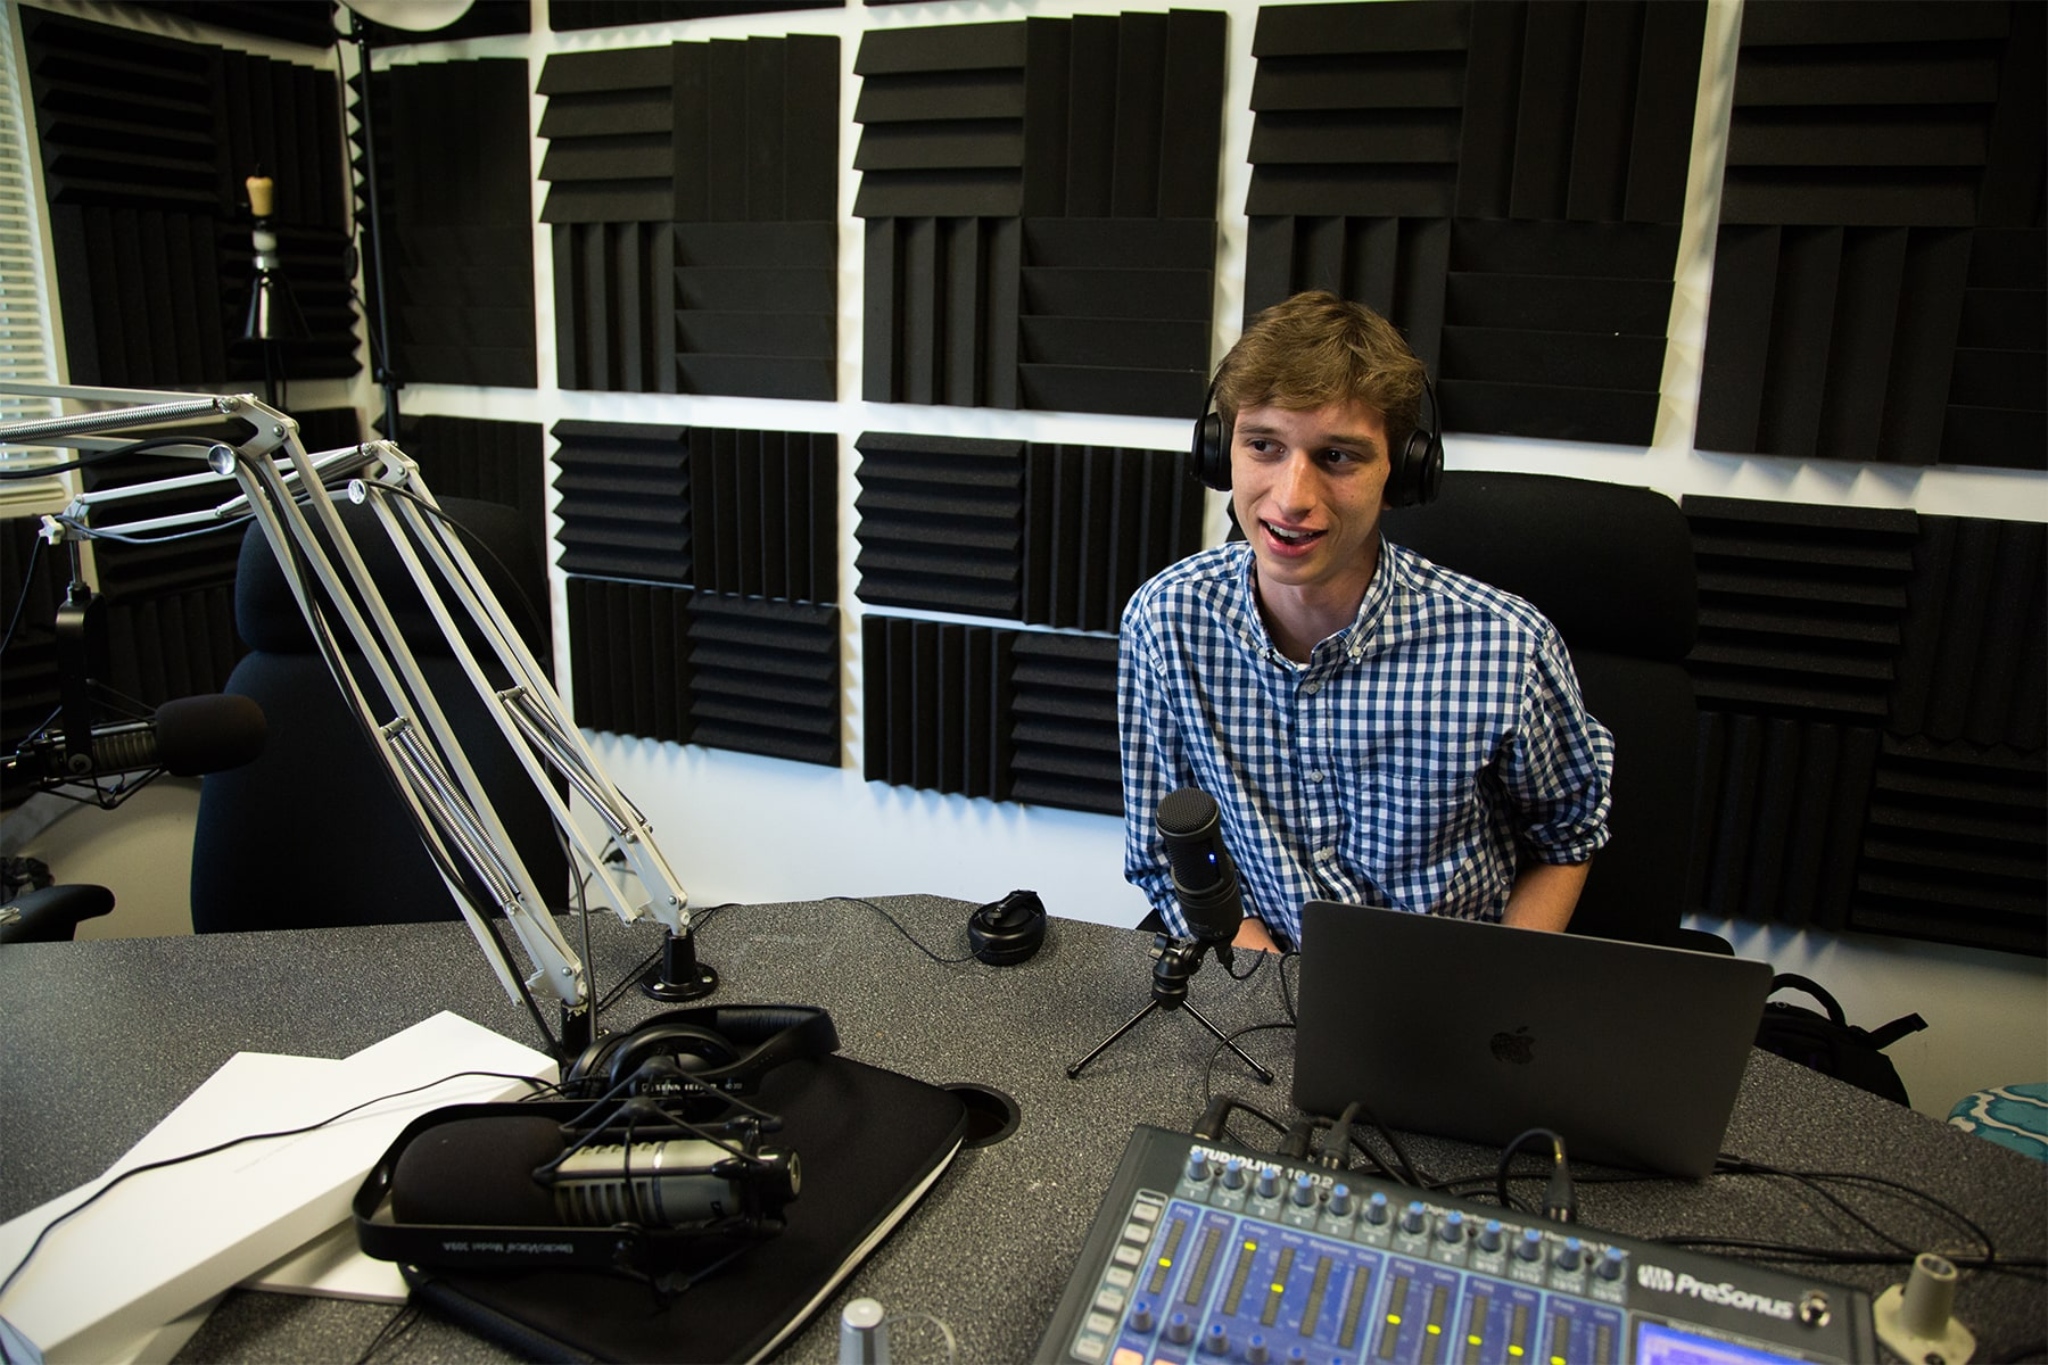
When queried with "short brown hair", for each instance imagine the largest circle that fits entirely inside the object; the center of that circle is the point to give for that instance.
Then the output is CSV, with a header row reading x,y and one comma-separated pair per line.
x,y
1316,348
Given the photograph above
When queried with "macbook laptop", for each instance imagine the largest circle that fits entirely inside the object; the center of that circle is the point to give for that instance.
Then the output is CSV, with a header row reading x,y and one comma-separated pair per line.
x,y
1469,1030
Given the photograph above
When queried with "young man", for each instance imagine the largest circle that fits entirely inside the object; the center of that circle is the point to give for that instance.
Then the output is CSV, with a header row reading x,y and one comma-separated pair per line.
x,y
1373,728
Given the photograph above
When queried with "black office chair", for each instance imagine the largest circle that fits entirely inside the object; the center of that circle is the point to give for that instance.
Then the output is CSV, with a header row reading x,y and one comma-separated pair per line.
x,y
312,834
1612,567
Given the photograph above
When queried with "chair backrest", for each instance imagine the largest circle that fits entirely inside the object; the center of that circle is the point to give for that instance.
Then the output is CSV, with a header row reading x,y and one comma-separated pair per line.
x,y
1612,567
312,834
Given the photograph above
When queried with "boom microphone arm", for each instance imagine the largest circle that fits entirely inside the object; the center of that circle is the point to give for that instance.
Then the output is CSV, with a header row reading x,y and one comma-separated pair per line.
x,y
288,494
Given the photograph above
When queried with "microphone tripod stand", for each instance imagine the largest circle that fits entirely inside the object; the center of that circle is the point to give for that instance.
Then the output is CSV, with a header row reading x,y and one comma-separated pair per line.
x,y
1174,961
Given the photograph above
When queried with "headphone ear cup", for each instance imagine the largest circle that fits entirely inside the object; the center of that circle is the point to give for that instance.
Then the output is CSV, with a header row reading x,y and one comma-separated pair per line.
x,y
1209,454
1005,932
1416,472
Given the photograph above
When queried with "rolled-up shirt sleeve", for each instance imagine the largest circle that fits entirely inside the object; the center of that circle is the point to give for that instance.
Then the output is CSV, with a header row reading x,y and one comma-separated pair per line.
x,y
1558,769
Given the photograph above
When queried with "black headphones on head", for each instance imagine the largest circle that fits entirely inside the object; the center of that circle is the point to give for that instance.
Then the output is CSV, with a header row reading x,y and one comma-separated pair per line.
x,y
713,1048
1417,467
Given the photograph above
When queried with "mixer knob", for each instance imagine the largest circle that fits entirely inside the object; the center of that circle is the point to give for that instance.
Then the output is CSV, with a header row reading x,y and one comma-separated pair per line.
x,y
1304,1190
1610,1265
1180,1329
1489,1236
1452,1228
1216,1341
1530,1248
1269,1182
1142,1320
1198,1167
1340,1200
1414,1217
1256,1352
1376,1209
1568,1255
1233,1173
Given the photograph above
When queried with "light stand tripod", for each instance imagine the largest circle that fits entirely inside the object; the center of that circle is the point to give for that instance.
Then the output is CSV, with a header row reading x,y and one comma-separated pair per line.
x,y
1174,961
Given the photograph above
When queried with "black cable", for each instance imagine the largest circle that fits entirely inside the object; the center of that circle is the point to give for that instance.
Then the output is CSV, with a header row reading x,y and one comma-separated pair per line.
x,y
1258,957
942,961
1560,1204
234,523
1216,1055
1286,997
1790,1252
28,579
534,620
96,457
698,919
396,1326
1740,1166
131,1172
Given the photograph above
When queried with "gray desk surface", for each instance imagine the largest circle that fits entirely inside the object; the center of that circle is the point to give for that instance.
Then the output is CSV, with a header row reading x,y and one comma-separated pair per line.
x,y
105,1038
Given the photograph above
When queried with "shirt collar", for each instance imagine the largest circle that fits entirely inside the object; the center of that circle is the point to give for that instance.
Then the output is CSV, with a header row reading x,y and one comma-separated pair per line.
x,y
1396,573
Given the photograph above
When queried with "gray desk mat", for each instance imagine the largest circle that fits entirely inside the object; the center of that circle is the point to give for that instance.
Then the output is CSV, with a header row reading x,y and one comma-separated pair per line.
x,y
106,1037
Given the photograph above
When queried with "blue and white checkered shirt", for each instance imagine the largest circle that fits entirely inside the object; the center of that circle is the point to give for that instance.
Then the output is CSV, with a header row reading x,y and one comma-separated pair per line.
x,y
1403,766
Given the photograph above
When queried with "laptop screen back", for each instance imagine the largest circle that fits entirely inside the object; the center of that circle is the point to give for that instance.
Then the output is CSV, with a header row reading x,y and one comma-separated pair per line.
x,y
1475,1031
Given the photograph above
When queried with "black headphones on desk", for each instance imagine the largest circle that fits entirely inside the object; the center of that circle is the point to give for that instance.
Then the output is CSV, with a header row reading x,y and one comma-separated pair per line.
x,y
1417,467
1006,932
715,1047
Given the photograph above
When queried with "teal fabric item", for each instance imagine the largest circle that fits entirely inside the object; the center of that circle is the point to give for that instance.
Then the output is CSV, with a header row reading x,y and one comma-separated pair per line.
x,y
2014,1116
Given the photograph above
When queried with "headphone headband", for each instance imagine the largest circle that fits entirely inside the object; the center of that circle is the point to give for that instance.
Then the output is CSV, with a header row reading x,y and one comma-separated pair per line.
x,y
718,1047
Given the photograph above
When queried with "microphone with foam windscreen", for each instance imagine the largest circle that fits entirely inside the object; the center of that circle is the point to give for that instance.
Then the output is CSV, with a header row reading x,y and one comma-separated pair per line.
x,y
185,737
1204,878
510,1172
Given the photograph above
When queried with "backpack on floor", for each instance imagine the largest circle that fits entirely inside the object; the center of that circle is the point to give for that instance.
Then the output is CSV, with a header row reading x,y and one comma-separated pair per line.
x,y
1829,1043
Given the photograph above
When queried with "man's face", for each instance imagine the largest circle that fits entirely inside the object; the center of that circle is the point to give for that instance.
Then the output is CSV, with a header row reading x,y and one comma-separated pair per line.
x,y
1308,488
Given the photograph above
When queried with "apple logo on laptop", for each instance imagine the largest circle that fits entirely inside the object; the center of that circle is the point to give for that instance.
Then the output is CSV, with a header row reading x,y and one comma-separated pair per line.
x,y
1517,1048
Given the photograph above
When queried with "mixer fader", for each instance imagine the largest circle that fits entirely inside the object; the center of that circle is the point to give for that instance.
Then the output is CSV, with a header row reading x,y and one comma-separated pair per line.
x,y
1207,1254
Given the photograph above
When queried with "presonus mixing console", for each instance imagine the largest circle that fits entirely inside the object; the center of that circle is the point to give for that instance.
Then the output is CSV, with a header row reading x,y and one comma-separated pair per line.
x,y
1209,1254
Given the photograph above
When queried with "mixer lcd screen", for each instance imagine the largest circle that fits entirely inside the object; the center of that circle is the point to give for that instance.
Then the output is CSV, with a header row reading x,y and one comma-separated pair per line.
x,y
1660,1343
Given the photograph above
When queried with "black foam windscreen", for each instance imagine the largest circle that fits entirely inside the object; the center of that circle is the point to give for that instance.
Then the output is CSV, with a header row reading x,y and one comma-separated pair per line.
x,y
477,1172
209,734
1204,878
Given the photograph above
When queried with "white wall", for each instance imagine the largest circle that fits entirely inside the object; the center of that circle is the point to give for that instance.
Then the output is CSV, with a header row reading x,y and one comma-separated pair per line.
x,y
742,828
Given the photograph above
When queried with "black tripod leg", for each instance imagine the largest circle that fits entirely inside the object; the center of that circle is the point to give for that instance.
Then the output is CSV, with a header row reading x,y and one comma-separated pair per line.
x,y
1103,1046
1203,1020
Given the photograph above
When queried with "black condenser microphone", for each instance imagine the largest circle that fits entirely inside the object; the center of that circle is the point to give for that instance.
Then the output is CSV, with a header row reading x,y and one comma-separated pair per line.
x,y
186,737
510,1172
1204,878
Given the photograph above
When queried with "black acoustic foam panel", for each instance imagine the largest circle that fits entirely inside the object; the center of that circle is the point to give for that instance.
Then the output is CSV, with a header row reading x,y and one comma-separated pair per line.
x,y
1878,269
454,187
486,461
764,513
673,664
308,22
1504,181
693,191
566,16
1954,847
1002,714
1801,607
728,633
146,142
625,501
745,513
1054,535
1040,205
1873,687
